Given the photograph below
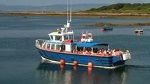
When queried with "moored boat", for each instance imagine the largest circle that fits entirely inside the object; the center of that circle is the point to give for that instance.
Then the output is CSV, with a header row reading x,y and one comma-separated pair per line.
x,y
107,29
138,31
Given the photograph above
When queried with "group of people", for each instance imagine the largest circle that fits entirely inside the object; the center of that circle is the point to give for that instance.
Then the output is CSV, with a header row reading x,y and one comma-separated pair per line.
x,y
101,52
115,52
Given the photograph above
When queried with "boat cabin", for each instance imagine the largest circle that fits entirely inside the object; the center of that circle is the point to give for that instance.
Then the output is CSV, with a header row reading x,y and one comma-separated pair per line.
x,y
61,40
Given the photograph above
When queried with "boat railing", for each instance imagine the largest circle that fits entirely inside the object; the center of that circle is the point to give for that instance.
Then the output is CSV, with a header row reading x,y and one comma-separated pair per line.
x,y
101,52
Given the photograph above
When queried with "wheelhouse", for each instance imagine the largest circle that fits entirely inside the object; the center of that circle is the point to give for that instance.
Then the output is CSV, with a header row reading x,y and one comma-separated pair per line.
x,y
61,40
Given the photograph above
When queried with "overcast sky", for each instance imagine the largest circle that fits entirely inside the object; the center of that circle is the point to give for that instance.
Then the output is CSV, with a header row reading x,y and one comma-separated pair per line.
x,y
52,2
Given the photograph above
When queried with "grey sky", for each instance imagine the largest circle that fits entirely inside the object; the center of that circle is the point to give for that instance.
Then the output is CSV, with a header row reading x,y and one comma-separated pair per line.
x,y
51,2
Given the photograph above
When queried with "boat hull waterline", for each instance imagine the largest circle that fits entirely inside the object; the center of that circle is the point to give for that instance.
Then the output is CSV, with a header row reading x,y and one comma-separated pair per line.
x,y
82,60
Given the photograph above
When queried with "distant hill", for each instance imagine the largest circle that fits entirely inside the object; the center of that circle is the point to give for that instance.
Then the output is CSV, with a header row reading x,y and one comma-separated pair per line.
x,y
123,8
51,8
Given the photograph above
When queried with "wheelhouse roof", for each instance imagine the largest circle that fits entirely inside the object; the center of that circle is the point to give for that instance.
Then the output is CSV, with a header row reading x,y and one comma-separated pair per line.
x,y
60,34
89,44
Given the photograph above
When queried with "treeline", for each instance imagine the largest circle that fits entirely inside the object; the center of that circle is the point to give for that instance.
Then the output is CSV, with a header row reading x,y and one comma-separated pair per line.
x,y
123,8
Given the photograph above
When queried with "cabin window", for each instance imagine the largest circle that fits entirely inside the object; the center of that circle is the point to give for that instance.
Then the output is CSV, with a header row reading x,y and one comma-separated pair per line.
x,y
58,47
51,37
62,47
68,37
65,37
58,38
48,46
52,46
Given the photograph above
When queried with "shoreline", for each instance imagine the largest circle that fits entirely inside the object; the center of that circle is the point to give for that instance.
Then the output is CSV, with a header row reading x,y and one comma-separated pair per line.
x,y
77,14
83,14
117,24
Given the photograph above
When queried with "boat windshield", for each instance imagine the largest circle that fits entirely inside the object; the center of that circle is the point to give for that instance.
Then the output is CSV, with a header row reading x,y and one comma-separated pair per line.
x,y
68,37
58,38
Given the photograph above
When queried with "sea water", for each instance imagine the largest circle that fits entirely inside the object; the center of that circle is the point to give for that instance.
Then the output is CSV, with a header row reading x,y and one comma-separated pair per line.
x,y
20,63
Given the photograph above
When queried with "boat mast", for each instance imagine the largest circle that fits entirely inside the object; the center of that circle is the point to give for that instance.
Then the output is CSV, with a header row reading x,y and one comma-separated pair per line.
x,y
67,10
69,13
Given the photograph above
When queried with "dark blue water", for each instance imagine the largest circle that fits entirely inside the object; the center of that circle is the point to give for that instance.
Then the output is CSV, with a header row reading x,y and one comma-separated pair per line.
x,y
20,63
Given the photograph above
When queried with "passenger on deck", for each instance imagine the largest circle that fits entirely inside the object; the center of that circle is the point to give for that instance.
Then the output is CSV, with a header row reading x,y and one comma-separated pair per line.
x,y
87,52
117,52
100,52
74,51
109,53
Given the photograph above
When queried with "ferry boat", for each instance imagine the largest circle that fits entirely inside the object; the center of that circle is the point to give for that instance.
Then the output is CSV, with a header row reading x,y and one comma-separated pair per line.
x,y
62,48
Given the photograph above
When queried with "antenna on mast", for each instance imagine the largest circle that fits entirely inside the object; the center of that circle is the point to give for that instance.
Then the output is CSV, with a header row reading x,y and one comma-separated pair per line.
x,y
67,11
70,11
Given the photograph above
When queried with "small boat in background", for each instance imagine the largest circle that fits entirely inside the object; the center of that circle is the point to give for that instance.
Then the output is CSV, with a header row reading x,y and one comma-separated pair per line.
x,y
107,29
138,31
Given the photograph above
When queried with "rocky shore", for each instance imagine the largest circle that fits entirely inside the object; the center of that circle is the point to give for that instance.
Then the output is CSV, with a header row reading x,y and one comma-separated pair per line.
x,y
100,24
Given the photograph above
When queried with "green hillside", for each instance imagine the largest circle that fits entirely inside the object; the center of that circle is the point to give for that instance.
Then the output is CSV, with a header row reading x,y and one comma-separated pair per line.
x,y
123,8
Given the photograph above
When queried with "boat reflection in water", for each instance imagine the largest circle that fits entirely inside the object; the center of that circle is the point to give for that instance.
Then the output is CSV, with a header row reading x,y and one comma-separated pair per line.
x,y
54,74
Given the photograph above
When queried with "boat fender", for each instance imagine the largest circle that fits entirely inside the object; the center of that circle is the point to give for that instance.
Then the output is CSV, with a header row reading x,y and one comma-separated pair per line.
x,y
75,63
90,65
62,62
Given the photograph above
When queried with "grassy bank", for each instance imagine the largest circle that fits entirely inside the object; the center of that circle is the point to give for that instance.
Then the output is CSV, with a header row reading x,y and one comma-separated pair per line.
x,y
99,24
136,8
79,14
115,10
